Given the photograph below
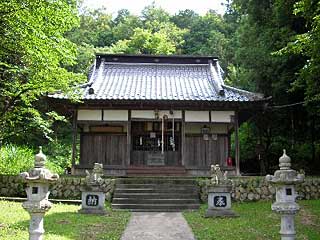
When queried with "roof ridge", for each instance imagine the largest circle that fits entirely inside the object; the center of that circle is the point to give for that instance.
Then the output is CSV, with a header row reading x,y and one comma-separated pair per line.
x,y
158,64
181,56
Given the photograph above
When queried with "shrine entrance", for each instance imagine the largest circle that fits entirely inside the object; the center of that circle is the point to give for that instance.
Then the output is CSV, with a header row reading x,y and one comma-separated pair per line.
x,y
156,143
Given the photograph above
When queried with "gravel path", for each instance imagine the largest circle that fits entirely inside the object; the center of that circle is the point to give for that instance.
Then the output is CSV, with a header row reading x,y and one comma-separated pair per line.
x,y
157,226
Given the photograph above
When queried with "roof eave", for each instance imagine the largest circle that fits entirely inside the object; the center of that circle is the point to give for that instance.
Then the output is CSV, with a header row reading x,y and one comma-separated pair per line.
x,y
181,104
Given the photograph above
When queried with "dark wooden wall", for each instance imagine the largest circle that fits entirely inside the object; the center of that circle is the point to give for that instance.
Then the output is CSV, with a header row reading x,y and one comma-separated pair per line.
x,y
111,150
108,149
203,153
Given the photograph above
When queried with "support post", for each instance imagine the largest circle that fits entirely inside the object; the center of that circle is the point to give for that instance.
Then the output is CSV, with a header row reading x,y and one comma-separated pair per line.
x,y
162,135
129,138
229,143
74,139
183,137
36,230
236,143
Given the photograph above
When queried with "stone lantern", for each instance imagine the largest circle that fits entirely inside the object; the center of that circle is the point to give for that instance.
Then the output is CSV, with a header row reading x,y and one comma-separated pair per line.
x,y
93,192
219,197
37,180
284,180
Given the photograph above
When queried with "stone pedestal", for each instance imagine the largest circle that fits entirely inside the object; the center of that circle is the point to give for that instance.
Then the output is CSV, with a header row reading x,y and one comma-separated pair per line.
x,y
92,193
36,229
93,202
287,230
219,202
38,180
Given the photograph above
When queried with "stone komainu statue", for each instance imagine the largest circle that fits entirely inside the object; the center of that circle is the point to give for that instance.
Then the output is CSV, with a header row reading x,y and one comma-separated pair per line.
x,y
95,176
218,177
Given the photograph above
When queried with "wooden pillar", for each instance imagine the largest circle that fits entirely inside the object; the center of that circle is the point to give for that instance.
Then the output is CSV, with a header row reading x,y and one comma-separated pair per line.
x,y
229,137
236,143
183,137
229,144
129,139
74,139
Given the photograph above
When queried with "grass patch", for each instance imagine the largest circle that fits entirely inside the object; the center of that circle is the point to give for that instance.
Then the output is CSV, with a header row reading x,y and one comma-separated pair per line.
x,y
256,221
62,222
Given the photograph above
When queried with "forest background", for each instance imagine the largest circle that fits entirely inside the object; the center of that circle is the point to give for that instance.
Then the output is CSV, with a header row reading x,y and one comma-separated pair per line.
x,y
271,47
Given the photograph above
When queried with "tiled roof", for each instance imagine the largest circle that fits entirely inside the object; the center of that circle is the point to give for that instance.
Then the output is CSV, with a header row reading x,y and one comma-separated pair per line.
x,y
159,78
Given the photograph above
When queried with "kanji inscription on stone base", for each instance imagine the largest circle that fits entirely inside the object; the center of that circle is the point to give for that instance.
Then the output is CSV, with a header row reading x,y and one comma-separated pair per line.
x,y
92,200
220,201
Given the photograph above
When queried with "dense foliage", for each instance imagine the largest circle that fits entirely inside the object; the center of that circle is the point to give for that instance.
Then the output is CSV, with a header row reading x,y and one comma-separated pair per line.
x,y
270,47
16,159
33,50
272,55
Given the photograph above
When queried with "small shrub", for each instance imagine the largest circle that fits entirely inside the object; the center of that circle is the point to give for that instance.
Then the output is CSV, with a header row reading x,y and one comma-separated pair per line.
x,y
58,156
15,159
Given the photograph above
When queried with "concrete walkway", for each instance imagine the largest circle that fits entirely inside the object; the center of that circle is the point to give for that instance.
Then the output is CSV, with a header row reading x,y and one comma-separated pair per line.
x,y
157,226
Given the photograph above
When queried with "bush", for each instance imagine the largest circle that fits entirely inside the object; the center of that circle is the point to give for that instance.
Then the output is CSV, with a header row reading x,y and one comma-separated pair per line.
x,y
15,159
58,156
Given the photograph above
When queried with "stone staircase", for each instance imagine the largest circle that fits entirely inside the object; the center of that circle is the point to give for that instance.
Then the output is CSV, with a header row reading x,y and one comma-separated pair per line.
x,y
156,171
156,194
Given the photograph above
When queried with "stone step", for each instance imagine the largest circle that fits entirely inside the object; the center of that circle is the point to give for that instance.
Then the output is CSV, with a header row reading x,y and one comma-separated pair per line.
x,y
156,170
143,167
156,207
156,186
155,210
155,190
156,195
156,180
154,201
149,174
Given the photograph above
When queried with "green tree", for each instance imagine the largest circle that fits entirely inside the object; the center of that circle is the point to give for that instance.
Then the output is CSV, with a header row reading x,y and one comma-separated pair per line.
x,y
156,36
124,25
207,35
94,29
32,51
144,41
307,44
185,18
263,29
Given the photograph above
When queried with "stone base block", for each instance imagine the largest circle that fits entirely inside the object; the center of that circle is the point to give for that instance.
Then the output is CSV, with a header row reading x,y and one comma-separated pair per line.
x,y
220,213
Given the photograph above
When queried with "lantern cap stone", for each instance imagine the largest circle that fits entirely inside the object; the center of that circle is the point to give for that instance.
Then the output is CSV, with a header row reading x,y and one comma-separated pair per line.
x,y
39,158
284,161
285,175
39,174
